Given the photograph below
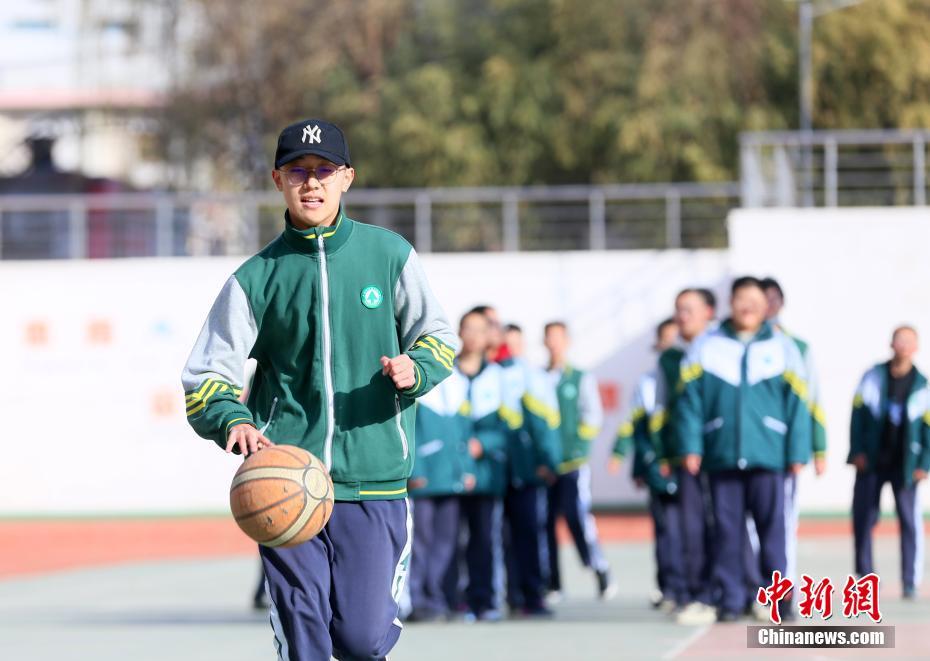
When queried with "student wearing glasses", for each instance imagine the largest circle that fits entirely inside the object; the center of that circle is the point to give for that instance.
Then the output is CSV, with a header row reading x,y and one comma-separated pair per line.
x,y
347,335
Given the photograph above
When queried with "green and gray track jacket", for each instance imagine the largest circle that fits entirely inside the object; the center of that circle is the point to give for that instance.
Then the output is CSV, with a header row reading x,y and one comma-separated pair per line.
x,y
744,405
870,408
818,417
580,412
317,309
668,389
635,432
531,410
444,427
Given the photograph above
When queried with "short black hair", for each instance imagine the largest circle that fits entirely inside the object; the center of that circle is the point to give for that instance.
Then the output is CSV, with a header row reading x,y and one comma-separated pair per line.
x,y
555,324
512,328
746,281
471,313
710,300
772,283
709,297
480,309
665,323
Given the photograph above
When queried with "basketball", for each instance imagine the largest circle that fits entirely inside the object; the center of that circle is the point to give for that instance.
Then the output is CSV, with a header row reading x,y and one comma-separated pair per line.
x,y
281,496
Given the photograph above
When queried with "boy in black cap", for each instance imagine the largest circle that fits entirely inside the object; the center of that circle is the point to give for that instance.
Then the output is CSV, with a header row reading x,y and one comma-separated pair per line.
x,y
346,334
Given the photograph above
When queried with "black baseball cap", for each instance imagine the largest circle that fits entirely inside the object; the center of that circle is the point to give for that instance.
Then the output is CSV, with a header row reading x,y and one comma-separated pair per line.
x,y
312,136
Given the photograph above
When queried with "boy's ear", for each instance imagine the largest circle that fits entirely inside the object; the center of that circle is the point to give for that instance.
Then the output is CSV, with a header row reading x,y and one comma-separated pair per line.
x,y
350,177
276,177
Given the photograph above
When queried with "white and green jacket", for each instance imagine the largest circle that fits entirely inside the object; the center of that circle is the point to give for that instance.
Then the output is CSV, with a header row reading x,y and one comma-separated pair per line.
x,y
818,417
870,408
635,433
317,309
580,413
744,405
531,410
444,427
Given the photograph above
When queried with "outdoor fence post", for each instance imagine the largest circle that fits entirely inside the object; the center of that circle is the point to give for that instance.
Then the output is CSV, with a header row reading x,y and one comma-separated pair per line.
x,y
830,173
672,219
164,229
77,225
597,220
511,217
920,171
423,223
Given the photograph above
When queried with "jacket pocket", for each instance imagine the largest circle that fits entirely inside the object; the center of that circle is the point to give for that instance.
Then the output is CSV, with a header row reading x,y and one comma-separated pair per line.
x,y
775,425
713,425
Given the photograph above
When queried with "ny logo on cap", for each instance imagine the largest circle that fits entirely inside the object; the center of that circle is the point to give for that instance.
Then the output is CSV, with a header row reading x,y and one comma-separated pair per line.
x,y
311,134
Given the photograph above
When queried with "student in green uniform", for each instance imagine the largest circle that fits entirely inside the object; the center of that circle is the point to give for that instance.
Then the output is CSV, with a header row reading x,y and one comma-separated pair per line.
x,y
581,416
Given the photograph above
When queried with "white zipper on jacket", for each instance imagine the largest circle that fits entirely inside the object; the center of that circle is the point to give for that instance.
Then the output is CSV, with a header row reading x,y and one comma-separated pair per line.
x,y
274,405
327,361
400,427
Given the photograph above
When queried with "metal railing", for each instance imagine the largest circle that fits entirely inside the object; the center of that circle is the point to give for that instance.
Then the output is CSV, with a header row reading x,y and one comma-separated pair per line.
x,y
635,216
833,168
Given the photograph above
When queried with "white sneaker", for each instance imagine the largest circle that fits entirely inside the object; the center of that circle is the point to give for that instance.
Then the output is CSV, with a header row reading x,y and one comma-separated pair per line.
x,y
695,614
554,598
667,606
761,613
656,598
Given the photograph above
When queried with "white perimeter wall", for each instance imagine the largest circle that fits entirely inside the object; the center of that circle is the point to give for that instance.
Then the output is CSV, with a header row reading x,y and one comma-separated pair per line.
x,y
93,410
97,425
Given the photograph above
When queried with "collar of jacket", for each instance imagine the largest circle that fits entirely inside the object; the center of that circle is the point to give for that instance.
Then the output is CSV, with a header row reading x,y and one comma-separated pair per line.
x,y
920,381
307,241
764,332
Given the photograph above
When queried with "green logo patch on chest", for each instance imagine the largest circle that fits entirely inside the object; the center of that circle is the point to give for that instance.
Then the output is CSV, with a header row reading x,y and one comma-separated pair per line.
x,y
372,297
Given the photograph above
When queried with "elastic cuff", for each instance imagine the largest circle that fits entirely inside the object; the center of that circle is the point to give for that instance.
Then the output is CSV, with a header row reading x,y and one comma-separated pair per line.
x,y
417,383
240,420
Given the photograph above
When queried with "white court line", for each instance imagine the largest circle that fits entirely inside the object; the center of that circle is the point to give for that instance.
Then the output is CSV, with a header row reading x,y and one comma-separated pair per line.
x,y
686,643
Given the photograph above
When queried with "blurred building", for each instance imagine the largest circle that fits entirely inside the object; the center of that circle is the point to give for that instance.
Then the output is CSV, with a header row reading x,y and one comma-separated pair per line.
x,y
89,75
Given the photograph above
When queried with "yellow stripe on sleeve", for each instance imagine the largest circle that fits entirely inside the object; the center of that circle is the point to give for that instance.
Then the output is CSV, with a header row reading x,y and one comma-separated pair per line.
x,y
514,419
587,432
691,373
658,421
797,384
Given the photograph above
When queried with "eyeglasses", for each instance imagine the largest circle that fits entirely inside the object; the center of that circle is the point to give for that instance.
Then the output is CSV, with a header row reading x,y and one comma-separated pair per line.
x,y
322,173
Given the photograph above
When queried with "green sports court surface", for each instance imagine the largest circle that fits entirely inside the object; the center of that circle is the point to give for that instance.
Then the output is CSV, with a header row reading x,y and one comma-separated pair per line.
x,y
194,605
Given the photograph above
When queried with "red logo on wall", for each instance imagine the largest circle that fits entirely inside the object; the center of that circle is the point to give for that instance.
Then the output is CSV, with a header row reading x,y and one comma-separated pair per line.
x,y
610,395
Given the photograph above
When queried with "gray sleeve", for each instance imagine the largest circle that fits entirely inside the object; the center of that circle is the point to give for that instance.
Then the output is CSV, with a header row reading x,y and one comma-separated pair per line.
x,y
416,309
225,340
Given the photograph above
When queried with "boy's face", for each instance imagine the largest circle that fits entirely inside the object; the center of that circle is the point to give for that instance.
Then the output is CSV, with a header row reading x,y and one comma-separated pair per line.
x,y
904,344
692,315
775,303
748,308
514,341
313,203
667,337
474,333
556,340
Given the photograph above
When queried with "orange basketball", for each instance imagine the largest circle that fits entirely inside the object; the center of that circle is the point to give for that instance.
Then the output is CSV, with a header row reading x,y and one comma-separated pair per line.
x,y
281,496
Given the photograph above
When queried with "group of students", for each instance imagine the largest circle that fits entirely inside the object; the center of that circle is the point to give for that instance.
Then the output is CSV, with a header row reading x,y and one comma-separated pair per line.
x,y
719,431
502,451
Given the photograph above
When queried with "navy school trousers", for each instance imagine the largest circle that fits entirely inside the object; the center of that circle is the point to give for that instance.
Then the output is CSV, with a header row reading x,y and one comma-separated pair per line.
x,y
735,493
337,594
866,502
435,537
